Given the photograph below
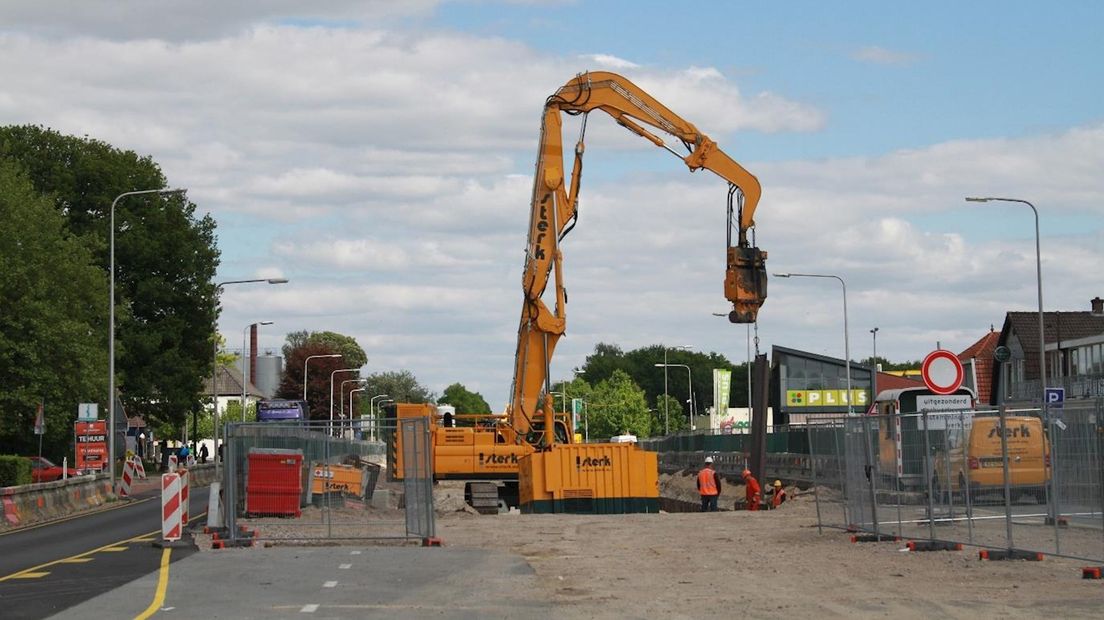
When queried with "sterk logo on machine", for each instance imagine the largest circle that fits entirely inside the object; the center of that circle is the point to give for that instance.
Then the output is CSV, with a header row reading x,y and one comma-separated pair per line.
x,y
497,459
592,462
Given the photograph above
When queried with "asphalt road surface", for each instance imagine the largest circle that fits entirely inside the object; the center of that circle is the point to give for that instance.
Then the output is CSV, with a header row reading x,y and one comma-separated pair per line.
x,y
47,568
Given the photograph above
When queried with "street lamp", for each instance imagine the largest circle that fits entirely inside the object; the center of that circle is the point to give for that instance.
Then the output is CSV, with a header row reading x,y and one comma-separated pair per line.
x,y
332,387
214,357
1039,283
874,370
846,340
341,395
666,406
245,359
689,383
309,358
372,412
111,332
359,427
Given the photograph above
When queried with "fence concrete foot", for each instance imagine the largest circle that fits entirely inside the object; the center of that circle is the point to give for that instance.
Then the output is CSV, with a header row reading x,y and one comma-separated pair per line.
x,y
933,545
1010,554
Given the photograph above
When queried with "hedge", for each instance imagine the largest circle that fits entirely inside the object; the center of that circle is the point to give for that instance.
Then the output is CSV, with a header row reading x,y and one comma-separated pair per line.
x,y
14,470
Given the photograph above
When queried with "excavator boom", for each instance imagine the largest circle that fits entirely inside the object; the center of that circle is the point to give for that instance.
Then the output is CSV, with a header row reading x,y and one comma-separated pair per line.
x,y
554,210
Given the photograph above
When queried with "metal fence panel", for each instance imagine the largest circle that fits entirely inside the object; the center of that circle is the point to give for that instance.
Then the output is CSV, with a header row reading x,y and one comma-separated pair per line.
x,y
418,477
1022,479
290,481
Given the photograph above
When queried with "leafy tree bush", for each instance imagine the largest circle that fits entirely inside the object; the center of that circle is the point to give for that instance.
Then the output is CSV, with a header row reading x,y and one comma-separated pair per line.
x,y
14,470
465,401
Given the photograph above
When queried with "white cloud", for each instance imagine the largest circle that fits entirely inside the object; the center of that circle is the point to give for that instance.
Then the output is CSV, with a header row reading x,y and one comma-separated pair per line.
x,y
608,61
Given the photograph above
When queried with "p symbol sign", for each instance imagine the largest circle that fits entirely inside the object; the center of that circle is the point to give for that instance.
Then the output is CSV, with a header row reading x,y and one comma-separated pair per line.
x,y
1055,396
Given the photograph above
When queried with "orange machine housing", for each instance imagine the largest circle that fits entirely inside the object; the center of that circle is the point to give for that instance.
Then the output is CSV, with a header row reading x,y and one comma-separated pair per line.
x,y
603,478
480,452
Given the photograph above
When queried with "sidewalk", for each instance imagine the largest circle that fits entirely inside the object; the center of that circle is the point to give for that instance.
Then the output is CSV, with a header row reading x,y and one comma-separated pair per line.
x,y
333,582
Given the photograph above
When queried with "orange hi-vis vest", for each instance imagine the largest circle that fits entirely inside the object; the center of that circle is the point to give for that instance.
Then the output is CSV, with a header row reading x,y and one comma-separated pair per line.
x,y
707,482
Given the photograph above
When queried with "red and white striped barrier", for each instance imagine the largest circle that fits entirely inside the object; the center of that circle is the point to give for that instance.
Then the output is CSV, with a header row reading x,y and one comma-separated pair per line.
x,y
126,479
185,486
139,468
171,527
174,461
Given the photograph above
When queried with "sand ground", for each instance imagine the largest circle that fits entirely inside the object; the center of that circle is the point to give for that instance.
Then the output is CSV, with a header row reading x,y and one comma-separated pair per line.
x,y
767,564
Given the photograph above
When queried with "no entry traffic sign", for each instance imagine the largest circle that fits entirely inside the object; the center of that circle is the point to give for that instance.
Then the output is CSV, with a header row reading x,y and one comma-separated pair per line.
x,y
942,372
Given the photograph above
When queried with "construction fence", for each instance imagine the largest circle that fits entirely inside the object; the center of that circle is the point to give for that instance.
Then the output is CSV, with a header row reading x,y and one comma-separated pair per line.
x,y
307,482
1023,479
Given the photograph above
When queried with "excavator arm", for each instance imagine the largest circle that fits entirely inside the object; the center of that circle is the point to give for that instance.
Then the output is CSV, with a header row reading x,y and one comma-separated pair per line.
x,y
554,210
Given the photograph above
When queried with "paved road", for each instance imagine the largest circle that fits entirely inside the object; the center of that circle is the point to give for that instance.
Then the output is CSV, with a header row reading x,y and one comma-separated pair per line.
x,y
48,568
333,582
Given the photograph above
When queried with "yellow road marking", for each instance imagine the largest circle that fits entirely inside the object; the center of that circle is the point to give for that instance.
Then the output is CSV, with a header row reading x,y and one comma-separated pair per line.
x,y
162,587
72,557
74,560
84,556
146,539
116,548
33,575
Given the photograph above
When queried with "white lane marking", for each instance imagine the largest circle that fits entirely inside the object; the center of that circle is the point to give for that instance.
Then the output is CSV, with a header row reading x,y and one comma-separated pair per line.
x,y
330,584
345,566
354,552
309,609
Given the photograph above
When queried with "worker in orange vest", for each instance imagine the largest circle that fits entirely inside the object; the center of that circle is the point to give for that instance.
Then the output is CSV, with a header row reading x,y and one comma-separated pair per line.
x,y
752,491
779,494
709,486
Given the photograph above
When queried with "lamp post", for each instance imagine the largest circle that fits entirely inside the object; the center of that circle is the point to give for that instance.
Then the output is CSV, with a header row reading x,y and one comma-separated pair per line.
x,y
341,395
379,406
689,383
666,406
305,362
1039,284
111,332
358,426
874,370
332,387
214,357
846,340
372,412
245,366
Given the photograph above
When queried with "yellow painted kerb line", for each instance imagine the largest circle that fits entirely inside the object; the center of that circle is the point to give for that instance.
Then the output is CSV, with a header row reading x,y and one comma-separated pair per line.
x,y
162,586
75,557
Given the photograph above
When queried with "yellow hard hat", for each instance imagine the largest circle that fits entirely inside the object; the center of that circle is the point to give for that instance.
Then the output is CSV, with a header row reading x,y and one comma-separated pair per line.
x,y
777,483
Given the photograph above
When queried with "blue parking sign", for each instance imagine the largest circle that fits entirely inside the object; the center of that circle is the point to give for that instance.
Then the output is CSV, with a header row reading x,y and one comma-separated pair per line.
x,y
1055,397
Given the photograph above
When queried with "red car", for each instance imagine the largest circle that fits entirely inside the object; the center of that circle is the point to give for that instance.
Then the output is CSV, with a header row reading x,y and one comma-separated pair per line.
x,y
43,470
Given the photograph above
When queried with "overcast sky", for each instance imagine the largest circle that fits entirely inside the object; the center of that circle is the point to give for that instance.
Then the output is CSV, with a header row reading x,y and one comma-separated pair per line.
x,y
379,155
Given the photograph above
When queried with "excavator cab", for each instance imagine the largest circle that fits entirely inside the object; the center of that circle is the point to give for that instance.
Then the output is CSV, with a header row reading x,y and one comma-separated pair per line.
x,y
745,282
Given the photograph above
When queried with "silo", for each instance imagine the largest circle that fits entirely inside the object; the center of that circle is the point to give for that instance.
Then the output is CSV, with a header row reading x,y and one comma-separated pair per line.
x,y
270,370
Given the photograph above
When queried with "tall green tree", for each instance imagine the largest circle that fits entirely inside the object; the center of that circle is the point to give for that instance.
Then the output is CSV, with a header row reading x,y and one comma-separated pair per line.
x,y
617,405
464,400
165,262
400,386
318,371
640,364
352,355
53,315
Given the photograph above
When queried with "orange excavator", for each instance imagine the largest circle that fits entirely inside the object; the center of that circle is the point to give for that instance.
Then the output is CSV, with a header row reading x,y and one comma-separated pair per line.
x,y
554,474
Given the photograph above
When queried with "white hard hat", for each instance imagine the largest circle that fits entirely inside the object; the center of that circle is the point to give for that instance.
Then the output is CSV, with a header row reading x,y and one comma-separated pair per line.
x,y
708,459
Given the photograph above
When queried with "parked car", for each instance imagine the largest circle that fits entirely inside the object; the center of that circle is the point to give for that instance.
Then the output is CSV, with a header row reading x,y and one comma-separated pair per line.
x,y
44,470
